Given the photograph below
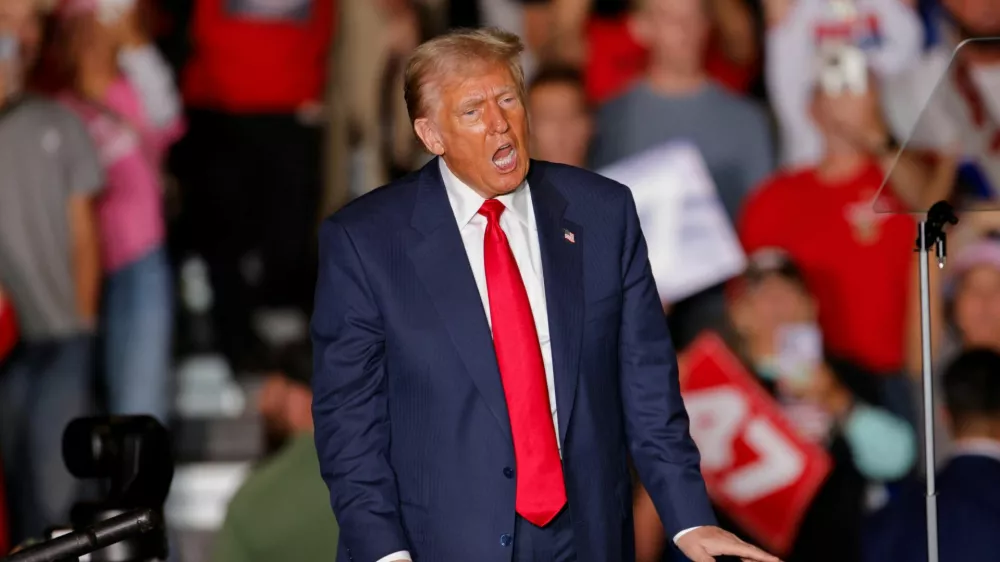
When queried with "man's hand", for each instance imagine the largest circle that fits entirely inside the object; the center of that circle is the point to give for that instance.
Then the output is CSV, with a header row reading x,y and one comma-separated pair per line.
x,y
705,543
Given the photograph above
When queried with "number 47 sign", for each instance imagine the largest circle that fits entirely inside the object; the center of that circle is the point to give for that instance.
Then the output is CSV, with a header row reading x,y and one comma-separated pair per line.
x,y
757,468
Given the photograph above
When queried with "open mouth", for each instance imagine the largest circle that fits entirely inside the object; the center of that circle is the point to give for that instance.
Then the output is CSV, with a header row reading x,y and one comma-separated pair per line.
x,y
505,158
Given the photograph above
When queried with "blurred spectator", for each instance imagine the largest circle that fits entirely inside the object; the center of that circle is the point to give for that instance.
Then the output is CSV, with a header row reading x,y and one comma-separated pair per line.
x,y
968,488
678,101
597,35
561,123
951,94
831,402
974,291
966,316
249,167
888,32
122,89
50,268
526,18
366,113
857,262
282,511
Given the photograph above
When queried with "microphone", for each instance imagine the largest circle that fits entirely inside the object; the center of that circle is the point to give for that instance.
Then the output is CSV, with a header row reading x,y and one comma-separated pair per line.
x,y
95,537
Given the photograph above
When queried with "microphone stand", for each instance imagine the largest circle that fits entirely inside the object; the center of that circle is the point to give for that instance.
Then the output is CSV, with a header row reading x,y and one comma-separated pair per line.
x,y
930,234
85,541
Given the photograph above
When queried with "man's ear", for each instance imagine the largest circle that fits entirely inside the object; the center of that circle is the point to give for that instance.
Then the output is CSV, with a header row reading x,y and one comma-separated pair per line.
x,y
428,134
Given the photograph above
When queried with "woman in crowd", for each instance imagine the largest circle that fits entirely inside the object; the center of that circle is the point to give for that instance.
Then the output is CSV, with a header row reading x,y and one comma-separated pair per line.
x,y
829,401
117,82
972,294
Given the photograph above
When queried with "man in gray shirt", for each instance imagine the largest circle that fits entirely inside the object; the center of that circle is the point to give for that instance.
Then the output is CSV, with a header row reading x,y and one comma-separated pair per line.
x,y
50,270
677,101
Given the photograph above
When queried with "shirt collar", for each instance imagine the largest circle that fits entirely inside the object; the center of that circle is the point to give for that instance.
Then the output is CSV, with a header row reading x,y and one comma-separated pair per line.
x,y
979,447
465,202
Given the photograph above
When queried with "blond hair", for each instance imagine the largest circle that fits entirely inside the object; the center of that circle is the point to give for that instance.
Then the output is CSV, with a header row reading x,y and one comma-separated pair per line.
x,y
435,59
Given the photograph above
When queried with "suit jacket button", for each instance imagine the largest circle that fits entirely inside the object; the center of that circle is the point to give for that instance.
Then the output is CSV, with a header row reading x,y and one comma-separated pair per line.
x,y
506,540
508,472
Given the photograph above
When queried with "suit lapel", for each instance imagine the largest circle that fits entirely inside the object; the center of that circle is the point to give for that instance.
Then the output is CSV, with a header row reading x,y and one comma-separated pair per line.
x,y
443,266
561,243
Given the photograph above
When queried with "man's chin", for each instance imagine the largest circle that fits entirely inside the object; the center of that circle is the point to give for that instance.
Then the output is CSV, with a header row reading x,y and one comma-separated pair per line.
x,y
508,182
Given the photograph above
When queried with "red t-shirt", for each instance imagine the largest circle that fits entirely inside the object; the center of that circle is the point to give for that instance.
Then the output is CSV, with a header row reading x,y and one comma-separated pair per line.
x,y
258,57
856,262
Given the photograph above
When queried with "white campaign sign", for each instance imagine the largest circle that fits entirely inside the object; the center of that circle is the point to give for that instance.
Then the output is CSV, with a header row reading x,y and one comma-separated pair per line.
x,y
692,245
719,416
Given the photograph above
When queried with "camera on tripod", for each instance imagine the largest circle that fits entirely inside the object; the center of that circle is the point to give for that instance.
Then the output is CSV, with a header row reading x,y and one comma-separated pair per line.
x,y
132,458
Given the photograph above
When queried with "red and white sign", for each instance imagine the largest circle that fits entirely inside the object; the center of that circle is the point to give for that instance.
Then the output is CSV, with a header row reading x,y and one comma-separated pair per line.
x,y
8,327
758,469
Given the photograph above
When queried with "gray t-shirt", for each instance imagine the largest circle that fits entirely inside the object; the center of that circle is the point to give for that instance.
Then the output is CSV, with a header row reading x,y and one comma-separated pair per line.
x,y
46,156
731,132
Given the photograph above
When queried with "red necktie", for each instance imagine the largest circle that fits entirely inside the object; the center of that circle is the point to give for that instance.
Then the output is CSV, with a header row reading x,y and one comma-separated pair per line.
x,y
541,493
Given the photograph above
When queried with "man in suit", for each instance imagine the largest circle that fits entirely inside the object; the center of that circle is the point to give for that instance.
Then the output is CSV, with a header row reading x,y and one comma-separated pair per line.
x,y
969,485
490,347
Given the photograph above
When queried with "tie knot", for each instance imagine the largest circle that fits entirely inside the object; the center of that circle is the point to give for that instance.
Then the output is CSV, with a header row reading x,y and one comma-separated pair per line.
x,y
492,209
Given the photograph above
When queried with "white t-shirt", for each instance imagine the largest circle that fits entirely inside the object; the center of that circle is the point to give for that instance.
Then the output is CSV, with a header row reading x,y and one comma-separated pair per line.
x,y
889,31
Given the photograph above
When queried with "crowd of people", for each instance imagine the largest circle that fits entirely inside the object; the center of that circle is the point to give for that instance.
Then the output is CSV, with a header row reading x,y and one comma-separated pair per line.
x,y
137,136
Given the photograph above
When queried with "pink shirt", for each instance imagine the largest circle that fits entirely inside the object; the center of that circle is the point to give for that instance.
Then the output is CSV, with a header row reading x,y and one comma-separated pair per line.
x,y
130,208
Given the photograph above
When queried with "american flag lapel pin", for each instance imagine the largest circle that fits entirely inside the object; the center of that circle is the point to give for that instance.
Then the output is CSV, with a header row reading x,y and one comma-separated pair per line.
x,y
569,236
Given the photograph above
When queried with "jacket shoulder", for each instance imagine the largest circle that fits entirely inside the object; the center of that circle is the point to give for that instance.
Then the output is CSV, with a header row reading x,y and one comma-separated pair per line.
x,y
384,208
577,183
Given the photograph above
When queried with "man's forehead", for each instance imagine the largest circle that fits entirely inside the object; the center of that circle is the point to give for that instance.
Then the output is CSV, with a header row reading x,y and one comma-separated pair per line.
x,y
479,86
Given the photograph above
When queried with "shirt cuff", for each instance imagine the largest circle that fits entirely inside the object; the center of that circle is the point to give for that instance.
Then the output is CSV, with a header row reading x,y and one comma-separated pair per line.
x,y
682,533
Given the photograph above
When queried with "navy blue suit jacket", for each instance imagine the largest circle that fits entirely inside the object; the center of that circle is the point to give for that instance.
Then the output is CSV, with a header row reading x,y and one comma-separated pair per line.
x,y
968,517
412,428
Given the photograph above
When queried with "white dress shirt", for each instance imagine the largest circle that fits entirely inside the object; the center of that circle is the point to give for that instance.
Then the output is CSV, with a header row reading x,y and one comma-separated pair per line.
x,y
518,223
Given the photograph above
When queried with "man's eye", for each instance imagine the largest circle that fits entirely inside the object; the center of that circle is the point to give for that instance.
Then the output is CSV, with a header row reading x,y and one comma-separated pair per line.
x,y
470,113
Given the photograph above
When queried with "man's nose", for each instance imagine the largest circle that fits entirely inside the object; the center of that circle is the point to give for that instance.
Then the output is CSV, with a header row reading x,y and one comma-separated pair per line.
x,y
498,121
